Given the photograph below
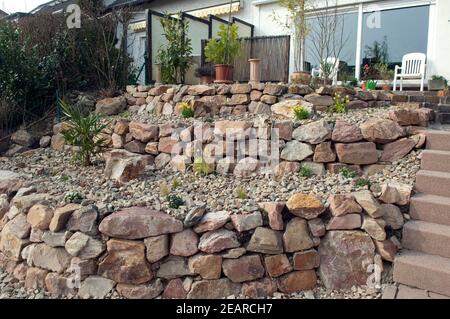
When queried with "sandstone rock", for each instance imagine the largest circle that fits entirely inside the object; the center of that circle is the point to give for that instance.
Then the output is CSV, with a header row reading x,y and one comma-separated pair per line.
x,y
144,132
45,141
57,239
232,129
11,245
373,228
234,253
241,88
18,226
58,285
277,265
139,222
357,153
246,167
83,268
319,101
111,106
255,95
212,221
286,168
274,211
174,267
122,127
300,89
124,166
269,99
245,268
157,247
405,116
343,204
35,278
162,160
274,89
83,246
387,249
317,227
381,131
346,133
395,193
392,216
158,90
313,133
344,258
306,260
284,109
296,151
395,151
184,243
296,237
246,221
147,291
324,153
368,203
194,216
24,138
262,288
218,240
284,129
125,262
304,205
95,287
207,266
345,222
84,220
214,289
53,259
174,290
316,168
24,203
297,281
266,241
135,147
117,141
61,215
201,90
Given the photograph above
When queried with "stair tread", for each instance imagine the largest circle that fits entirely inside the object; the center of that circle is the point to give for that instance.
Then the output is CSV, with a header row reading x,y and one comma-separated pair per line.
x,y
424,260
437,152
427,227
431,198
436,174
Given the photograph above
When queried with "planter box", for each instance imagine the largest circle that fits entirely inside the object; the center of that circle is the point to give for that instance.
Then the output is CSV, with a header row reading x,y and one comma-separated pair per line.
x,y
436,85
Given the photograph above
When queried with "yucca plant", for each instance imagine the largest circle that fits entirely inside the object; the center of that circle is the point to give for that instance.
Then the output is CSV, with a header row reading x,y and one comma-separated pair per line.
x,y
84,132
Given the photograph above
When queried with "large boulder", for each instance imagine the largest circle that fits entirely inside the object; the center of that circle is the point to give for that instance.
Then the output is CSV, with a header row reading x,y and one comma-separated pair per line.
x,y
214,289
345,257
395,151
111,106
305,205
296,151
345,132
139,222
357,153
381,131
313,133
144,132
242,269
266,241
284,109
218,240
296,237
124,166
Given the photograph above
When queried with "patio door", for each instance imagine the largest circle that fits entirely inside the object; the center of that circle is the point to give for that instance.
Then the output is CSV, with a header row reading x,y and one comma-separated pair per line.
x,y
140,59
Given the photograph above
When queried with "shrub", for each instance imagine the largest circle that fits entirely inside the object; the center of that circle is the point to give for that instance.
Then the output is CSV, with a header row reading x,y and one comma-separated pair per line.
x,y
202,167
187,111
340,104
84,132
348,173
301,112
306,172
224,48
175,201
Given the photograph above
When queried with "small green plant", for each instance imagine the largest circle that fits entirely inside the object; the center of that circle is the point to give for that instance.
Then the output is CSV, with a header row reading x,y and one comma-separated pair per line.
x,y
174,201
340,104
348,173
241,193
187,111
84,132
306,172
438,78
163,189
125,115
224,48
175,183
202,167
362,182
371,84
73,197
301,112
65,178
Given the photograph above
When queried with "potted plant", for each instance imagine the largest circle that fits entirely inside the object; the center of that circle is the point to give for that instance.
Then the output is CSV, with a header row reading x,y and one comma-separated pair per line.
x,y
205,73
437,83
297,24
222,51
385,74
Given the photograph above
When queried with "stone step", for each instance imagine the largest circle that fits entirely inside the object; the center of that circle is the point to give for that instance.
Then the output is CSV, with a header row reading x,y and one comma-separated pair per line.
x,y
427,237
433,160
438,140
444,118
423,271
432,182
444,108
430,208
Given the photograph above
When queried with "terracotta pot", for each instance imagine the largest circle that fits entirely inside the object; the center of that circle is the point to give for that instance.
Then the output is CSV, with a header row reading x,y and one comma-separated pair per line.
x,y
224,73
364,86
206,79
386,87
443,93
301,77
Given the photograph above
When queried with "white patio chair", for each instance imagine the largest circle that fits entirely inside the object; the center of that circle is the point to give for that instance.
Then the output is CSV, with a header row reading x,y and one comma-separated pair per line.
x,y
413,67
334,63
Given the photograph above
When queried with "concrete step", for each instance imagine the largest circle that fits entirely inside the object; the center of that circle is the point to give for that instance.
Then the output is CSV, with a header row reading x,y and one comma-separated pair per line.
x,y
438,140
423,271
433,160
444,108
430,208
444,118
432,182
427,237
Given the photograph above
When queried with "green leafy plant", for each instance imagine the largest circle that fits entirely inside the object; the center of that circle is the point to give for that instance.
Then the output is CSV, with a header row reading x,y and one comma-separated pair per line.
x,y
175,183
362,182
241,193
301,112
174,201
348,173
175,57
385,73
225,48
65,178
187,111
438,78
372,84
73,197
306,172
202,166
84,132
340,104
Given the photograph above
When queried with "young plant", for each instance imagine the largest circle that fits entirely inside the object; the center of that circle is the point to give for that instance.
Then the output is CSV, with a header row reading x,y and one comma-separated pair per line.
x,y
175,183
225,47
73,197
241,193
340,104
301,112
348,173
163,189
306,172
84,132
174,201
202,167
362,182
187,111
